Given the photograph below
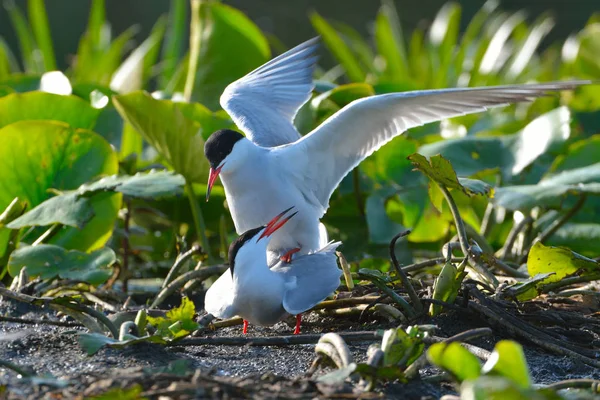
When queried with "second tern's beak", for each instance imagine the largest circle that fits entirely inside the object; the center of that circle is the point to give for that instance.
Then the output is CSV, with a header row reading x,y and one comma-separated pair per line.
x,y
212,177
275,223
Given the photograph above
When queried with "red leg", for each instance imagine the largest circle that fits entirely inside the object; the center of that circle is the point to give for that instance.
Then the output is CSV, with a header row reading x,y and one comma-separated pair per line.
x,y
298,322
245,330
287,257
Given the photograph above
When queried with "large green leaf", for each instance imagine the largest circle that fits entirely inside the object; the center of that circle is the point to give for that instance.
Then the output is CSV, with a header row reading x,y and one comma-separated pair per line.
x,y
563,262
49,261
231,46
551,190
46,106
508,360
579,154
580,237
526,197
41,155
455,359
74,208
176,130
511,154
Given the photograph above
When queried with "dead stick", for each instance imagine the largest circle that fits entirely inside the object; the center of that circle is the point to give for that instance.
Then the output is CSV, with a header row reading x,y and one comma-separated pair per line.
x,y
273,340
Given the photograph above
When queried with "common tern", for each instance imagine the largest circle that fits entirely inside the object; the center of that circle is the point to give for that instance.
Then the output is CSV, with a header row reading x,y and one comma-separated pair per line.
x,y
263,294
273,167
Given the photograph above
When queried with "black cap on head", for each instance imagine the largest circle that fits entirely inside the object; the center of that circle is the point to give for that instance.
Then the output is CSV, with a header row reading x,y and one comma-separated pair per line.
x,y
219,145
238,243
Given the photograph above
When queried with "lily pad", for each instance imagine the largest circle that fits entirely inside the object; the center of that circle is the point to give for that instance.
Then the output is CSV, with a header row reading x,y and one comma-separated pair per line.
x,y
36,156
74,208
46,106
50,261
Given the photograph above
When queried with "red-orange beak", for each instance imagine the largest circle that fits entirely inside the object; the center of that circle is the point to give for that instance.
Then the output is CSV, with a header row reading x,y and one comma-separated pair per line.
x,y
212,177
275,223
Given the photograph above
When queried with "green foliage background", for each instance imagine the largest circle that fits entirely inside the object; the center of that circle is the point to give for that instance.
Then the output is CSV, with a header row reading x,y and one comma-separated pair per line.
x,y
60,130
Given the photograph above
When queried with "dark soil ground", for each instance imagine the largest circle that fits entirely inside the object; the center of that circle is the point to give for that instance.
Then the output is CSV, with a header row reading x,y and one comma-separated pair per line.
x,y
217,371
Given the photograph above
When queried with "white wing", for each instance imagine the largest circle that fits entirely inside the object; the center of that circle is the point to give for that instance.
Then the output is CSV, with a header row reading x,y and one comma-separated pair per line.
x,y
313,277
264,103
219,297
363,126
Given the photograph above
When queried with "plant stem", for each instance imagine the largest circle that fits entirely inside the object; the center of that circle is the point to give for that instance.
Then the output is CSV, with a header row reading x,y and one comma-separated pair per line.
x,y
403,277
512,237
195,43
124,270
47,235
550,287
200,274
180,262
198,217
464,241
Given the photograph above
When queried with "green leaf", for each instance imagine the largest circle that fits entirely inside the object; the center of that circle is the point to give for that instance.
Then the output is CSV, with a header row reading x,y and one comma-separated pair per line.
x,y
133,73
41,155
526,197
50,261
92,342
563,262
508,360
580,237
337,376
381,228
579,154
390,43
539,136
74,208
499,388
338,48
46,106
455,359
527,289
400,348
174,41
176,130
511,154
66,209
149,185
439,170
41,31
178,322
27,45
446,287
551,190
227,35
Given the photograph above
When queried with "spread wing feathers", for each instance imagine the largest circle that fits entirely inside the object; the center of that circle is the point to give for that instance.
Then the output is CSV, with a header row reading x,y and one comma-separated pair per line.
x,y
363,126
219,297
264,103
311,277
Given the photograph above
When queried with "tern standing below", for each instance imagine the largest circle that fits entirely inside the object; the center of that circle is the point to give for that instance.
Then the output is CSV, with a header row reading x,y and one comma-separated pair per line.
x,y
273,167
262,295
